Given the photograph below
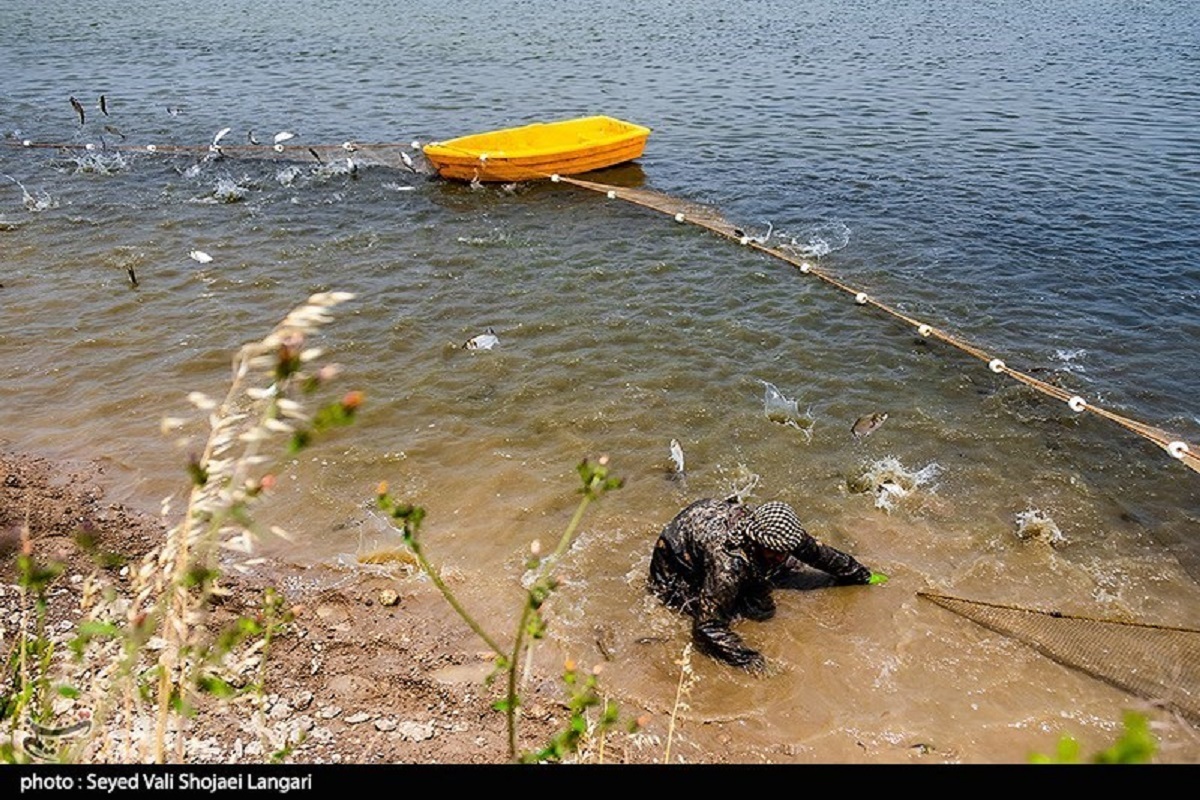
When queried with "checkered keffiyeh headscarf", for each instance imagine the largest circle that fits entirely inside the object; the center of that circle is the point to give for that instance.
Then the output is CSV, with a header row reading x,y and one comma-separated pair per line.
x,y
772,525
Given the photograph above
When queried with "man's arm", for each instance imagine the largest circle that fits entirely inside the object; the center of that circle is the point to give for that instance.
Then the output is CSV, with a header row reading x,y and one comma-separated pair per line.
x,y
842,566
715,638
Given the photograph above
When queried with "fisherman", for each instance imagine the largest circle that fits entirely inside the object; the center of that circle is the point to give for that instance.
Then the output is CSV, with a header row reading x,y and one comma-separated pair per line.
x,y
718,560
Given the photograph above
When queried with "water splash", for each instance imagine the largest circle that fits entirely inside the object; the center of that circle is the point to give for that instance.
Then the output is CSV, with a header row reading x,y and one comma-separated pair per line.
x,y
819,240
742,483
288,175
786,411
34,203
98,162
1034,525
1070,360
227,190
891,482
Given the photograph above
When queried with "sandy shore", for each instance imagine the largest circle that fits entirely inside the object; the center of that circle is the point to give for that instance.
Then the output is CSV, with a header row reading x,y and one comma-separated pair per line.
x,y
357,677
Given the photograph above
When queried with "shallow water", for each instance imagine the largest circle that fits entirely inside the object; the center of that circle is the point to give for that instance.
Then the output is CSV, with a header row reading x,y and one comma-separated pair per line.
x,y
1025,177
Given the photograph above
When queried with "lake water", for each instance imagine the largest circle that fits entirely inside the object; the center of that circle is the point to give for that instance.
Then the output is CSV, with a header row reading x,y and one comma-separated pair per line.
x,y
1024,175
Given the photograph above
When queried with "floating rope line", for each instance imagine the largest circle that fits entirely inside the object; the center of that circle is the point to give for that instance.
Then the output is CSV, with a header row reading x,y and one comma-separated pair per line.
x,y
387,155
682,211
1158,663
704,217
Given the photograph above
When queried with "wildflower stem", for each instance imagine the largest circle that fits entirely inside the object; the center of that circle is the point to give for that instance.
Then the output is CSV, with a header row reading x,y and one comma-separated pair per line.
x,y
415,546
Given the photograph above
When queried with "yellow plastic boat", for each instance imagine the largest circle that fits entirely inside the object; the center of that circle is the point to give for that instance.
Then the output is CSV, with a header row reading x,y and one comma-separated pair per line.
x,y
540,150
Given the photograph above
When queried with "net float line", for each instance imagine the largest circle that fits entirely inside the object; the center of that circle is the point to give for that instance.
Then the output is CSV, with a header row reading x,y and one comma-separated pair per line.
x,y
683,211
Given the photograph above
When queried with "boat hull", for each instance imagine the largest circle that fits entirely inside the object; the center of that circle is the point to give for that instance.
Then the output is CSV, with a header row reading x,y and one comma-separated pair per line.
x,y
539,150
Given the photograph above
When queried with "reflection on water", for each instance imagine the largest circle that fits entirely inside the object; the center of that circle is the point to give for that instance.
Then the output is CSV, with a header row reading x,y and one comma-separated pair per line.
x,y
988,185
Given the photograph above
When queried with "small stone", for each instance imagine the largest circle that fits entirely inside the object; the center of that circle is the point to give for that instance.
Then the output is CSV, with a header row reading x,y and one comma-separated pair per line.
x,y
329,712
388,597
416,731
355,719
385,724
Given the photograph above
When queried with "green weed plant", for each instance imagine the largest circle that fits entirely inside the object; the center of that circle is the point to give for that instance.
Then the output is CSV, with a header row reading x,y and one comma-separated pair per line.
x,y
531,623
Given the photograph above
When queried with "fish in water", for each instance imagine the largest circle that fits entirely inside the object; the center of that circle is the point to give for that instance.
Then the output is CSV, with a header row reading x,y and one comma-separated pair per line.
x,y
868,424
250,137
215,147
484,341
103,105
282,137
677,456
78,106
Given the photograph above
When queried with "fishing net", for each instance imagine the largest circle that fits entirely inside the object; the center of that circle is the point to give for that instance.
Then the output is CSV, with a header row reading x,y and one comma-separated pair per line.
x,y
1160,664
363,155
348,156
682,210
706,217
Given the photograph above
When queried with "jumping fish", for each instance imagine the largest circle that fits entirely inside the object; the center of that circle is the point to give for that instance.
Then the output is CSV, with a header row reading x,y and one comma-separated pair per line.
x,y
282,137
215,147
483,341
78,106
677,456
867,424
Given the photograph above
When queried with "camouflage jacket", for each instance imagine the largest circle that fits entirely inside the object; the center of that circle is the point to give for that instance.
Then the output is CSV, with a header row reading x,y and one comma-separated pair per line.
x,y
697,570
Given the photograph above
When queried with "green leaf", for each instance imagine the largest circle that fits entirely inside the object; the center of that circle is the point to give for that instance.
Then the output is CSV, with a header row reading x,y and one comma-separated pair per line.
x,y
877,578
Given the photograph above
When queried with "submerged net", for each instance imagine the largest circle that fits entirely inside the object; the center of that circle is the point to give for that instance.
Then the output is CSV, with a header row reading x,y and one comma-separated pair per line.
x,y
1157,663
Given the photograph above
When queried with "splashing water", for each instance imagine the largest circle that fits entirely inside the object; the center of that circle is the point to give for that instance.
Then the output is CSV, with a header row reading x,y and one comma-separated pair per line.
x,y
227,190
786,411
287,176
97,163
741,483
40,202
1070,360
819,240
891,482
1033,524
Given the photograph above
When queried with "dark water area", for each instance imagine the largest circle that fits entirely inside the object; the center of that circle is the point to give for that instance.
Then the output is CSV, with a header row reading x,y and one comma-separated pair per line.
x,y
1024,175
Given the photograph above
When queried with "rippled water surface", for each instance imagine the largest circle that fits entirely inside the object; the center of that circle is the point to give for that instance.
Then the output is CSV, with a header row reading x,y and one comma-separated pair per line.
x,y
1025,175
